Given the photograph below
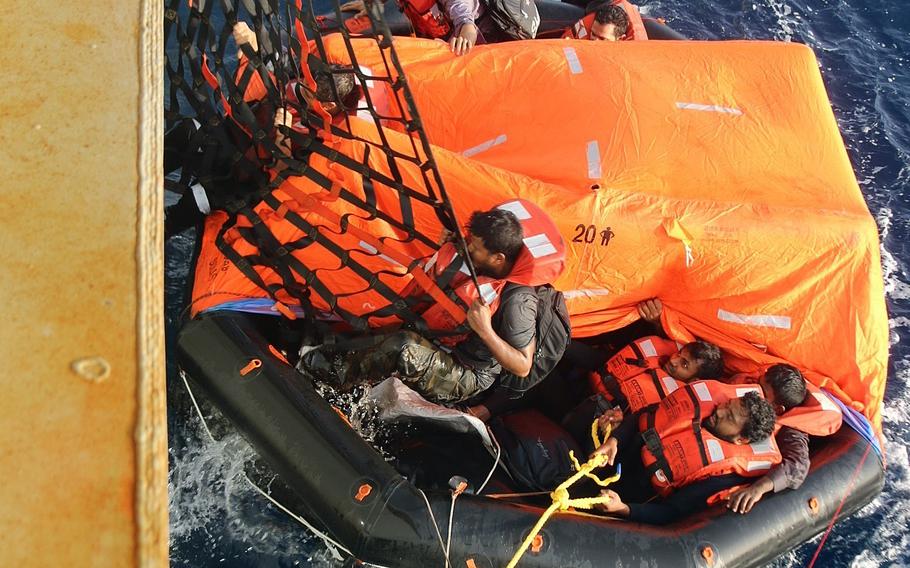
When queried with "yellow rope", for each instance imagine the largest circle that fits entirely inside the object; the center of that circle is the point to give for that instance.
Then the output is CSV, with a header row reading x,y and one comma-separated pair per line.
x,y
560,496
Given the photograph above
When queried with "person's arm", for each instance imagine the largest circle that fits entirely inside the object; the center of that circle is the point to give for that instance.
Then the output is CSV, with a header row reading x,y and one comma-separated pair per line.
x,y
650,310
514,360
255,89
687,500
789,474
461,14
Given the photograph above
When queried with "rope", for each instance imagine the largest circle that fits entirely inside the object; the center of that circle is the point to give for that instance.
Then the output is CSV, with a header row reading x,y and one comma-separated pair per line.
x,y
840,506
435,526
560,496
495,461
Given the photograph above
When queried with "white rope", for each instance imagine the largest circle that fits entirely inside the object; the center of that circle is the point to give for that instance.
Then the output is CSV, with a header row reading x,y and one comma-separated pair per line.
x,y
451,516
495,461
442,545
330,543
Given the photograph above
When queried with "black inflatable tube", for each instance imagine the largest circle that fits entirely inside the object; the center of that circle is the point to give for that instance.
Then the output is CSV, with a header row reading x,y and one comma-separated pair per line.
x,y
324,461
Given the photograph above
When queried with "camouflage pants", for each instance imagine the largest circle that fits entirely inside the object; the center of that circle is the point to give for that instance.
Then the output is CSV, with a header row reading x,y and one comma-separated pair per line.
x,y
419,363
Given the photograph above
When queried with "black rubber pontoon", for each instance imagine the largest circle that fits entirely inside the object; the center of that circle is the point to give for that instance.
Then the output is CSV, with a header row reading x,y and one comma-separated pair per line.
x,y
327,464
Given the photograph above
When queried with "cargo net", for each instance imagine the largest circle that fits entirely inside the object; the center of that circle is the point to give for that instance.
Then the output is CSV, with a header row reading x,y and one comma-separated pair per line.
x,y
324,185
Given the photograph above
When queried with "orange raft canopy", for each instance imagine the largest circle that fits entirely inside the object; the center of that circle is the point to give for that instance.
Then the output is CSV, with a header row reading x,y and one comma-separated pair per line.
x,y
709,174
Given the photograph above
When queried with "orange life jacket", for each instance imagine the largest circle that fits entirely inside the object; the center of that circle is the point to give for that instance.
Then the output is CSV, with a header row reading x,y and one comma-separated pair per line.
x,y
540,262
636,31
818,415
633,377
678,451
426,17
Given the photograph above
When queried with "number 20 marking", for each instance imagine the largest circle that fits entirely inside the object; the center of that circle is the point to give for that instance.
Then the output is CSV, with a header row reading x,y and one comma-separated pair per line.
x,y
587,234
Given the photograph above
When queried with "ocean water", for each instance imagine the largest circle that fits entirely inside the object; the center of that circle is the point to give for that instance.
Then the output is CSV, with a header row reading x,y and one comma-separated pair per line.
x,y
863,47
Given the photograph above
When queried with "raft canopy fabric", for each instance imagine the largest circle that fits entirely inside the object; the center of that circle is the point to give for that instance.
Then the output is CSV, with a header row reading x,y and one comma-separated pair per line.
x,y
709,174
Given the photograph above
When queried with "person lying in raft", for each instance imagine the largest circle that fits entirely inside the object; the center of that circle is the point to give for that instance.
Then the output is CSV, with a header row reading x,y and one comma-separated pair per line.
x,y
222,177
666,452
500,342
801,409
606,23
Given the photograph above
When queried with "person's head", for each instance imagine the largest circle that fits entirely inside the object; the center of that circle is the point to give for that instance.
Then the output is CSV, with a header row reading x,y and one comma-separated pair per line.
x,y
345,85
698,359
783,386
494,241
610,23
743,420
344,82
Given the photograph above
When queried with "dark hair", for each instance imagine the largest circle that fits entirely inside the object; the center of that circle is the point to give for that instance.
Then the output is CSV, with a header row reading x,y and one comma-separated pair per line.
x,y
615,15
788,384
343,78
711,360
761,417
500,231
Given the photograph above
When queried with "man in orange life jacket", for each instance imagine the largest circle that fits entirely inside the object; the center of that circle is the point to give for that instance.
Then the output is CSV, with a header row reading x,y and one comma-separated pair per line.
x,y
607,23
500,342
225,181
785,388
738,421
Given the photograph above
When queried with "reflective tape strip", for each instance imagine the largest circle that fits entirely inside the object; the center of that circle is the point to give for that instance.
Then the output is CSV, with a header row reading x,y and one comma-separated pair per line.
x,y
202,200
517,208
464,268
756,465
373,250
593,160
762,447
488,293
827,403
701,390
741,391
779,322
670,383
647,348
368,83
715,450
709,108
539,245
484,146
587,293
572,58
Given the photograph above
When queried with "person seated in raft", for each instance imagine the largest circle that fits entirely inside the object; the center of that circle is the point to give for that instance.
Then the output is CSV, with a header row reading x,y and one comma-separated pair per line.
x,y
461,23
500,342
801,409
224,178
607,23
735,429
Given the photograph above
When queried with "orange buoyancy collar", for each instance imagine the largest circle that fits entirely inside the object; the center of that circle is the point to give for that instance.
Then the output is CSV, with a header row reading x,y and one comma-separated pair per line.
x,y
679,451
636,31
818,415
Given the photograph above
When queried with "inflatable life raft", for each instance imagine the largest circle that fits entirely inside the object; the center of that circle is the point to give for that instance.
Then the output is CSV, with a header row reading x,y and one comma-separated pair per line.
x,y
351,493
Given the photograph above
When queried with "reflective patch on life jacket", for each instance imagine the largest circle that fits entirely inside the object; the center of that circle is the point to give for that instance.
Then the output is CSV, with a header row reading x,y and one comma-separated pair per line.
x,y
715,450
670,383
572,59
779,322
539,245
702,391
741,391
708,108
593,152
647,348
762,446
758,465
484,146
488,293
517,209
